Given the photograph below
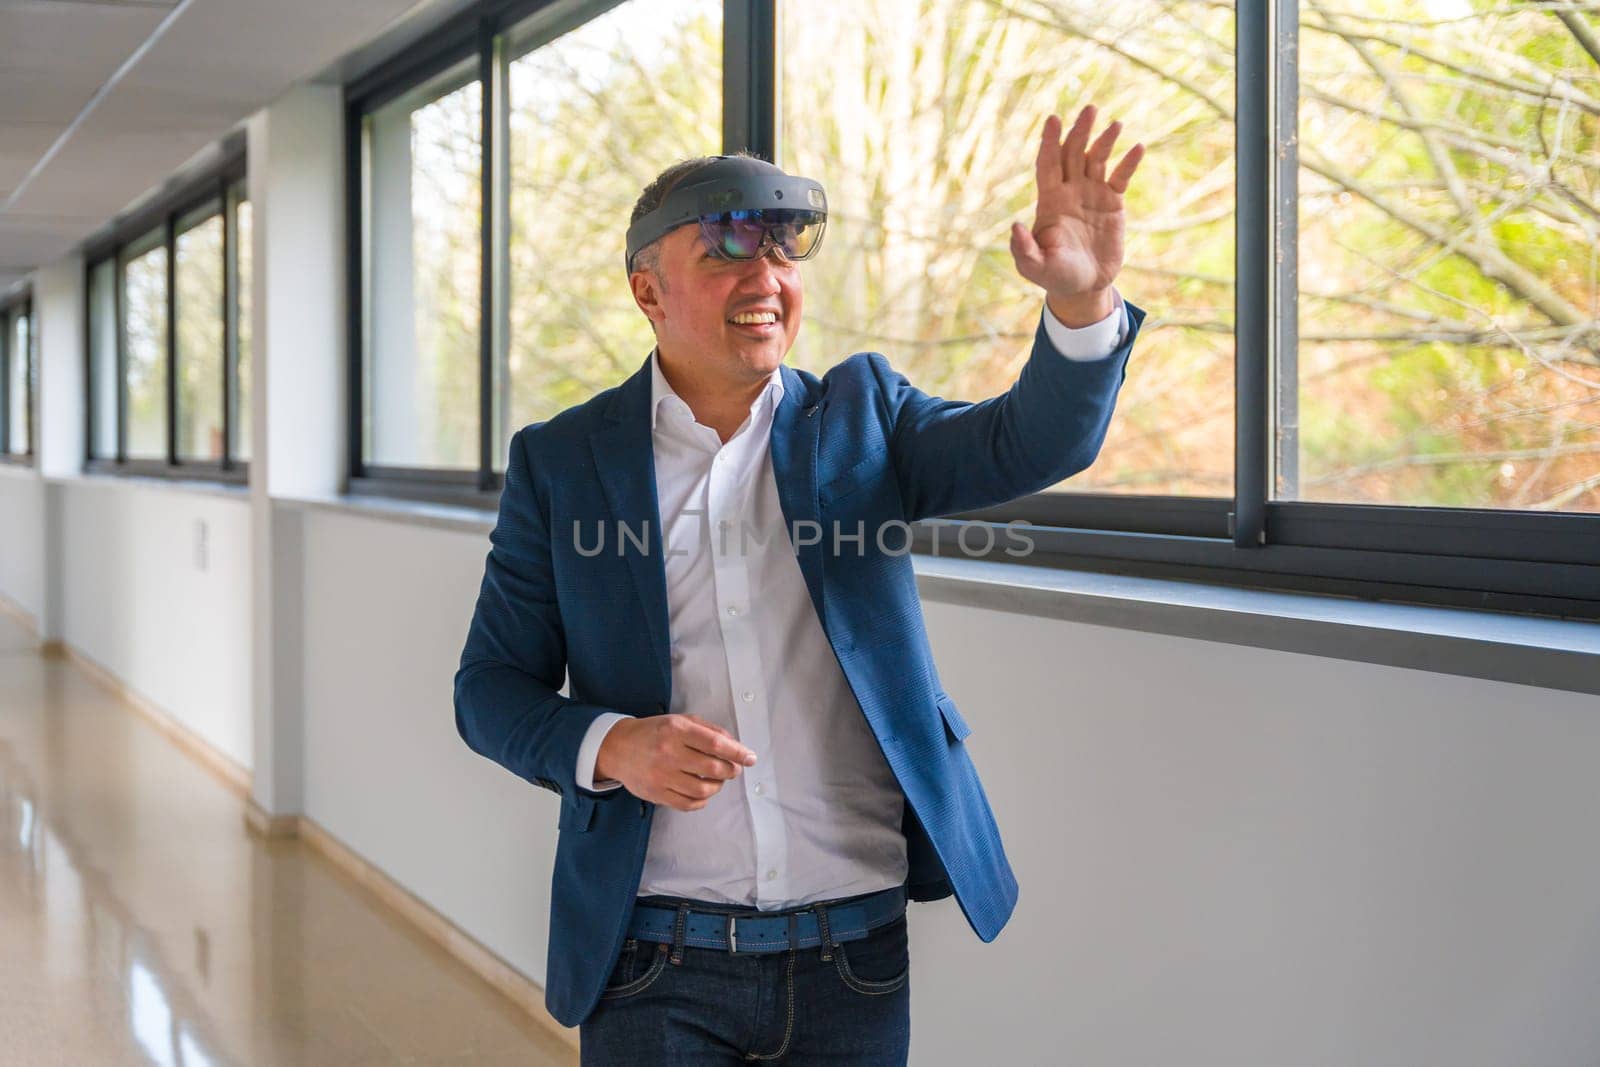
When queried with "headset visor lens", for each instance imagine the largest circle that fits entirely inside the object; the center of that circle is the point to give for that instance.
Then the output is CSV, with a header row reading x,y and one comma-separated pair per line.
x,y
744,234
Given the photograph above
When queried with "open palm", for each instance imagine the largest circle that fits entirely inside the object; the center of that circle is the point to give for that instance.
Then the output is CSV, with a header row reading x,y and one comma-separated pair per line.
x,y
1075,245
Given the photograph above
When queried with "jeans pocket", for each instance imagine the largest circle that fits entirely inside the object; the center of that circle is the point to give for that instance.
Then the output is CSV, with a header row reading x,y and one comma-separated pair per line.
x,y
638,966
878,963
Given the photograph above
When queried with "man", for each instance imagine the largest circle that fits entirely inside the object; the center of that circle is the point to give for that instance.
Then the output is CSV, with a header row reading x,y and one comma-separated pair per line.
x,y
757,765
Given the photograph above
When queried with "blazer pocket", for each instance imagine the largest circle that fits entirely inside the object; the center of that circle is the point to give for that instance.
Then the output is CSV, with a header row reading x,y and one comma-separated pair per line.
x,y
955,726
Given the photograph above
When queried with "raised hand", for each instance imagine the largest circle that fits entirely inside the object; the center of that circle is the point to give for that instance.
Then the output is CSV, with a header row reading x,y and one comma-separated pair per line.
x,y
1074,249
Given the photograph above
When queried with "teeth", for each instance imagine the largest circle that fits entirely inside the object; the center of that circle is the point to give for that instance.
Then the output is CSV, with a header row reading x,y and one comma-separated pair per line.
x,y
751,317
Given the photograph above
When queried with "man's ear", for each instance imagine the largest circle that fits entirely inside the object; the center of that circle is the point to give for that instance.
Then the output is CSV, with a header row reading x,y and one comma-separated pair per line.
x,y
647,294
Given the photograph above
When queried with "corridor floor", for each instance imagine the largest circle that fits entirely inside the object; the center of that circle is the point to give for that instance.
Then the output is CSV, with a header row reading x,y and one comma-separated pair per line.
x,y
141,924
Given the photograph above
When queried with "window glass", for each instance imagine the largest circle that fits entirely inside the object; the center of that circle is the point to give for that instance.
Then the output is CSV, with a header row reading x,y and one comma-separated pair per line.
x,y
1448,282
19,364
922,120
144,304
423,256
242,374
200,340
594,115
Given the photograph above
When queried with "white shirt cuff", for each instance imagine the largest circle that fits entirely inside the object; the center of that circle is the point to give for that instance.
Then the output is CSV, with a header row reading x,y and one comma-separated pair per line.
x,y
589,752
1095,341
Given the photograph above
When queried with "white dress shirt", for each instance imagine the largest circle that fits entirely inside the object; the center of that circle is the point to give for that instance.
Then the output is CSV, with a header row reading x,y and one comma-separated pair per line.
x,y
819,815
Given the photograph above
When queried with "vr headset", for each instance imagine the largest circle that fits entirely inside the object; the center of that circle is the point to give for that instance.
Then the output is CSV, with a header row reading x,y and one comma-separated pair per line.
x,y
742,206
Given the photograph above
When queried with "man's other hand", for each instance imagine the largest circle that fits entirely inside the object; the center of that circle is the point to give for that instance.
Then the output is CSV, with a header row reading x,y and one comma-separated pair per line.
x,y
677,760
1074,250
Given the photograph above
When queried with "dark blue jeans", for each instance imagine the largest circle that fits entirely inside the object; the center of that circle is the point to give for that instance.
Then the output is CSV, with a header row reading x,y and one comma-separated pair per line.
x,y
791,1006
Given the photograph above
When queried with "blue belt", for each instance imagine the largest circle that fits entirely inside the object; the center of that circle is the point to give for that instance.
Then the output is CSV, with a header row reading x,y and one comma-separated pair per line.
x,y
769,931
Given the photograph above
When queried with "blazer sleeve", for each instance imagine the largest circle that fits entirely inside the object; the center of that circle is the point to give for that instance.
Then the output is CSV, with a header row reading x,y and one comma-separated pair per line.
x,y
506,700
953,456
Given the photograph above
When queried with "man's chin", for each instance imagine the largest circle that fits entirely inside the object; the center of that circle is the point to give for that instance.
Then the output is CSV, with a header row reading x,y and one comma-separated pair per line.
x,y
762,353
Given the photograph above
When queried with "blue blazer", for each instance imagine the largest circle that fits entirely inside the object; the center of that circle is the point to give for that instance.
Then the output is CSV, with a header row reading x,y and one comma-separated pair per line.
x,y
860,444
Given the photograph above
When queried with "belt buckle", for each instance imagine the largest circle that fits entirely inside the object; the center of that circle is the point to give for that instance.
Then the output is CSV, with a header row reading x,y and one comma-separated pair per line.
x,y
733,934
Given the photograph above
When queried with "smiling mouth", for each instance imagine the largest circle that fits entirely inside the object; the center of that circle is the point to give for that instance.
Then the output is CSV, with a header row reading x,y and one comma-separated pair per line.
x,y
758,328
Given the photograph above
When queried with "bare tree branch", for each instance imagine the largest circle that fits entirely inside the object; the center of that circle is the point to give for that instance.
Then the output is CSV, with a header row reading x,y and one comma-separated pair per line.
x,y
1434,459
1581,32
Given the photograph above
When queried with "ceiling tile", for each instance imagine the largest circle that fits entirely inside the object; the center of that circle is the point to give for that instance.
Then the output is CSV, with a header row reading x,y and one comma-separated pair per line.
x,y
214,65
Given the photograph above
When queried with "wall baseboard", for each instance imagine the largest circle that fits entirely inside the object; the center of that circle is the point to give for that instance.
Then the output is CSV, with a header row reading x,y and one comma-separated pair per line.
x,y
259,822
477,957
22,615
227,770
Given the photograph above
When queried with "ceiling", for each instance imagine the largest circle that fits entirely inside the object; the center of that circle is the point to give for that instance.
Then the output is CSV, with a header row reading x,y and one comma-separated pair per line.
x,y
101,101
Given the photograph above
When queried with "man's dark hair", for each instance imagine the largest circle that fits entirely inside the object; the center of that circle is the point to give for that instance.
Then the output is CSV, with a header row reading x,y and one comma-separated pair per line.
x,y
649,257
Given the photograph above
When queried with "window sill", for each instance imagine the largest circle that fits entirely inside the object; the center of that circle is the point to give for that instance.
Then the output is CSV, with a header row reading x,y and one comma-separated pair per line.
x,y
391,509
1525,650
190,486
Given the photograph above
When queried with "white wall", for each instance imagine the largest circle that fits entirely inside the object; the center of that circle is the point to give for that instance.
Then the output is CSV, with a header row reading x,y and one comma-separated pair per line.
x,y
22,574
59,301
296,173
1230,855
386,612
295,158
59,298
155,588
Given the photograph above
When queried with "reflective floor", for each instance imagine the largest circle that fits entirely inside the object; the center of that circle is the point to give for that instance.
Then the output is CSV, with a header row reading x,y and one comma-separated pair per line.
x,y
140,923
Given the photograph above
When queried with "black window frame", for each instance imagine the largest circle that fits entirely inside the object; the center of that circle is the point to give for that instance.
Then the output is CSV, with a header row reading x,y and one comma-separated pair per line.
x,y
224,184
747,35
19,302
1523,562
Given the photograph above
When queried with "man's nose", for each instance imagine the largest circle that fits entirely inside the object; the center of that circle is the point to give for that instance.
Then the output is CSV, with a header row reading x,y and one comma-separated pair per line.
x,y
765,267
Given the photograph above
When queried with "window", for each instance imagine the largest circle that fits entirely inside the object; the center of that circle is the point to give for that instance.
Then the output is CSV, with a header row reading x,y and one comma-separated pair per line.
x,y
474,323
200,316
168,360
1414,300
573,327
239,423
1448,288
18,378
924,142
144,332
1363,233
425,251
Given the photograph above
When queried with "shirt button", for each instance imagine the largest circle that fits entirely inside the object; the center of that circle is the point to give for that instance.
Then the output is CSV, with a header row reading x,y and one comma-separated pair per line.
x,y
748,696
733,609
772,874
761,788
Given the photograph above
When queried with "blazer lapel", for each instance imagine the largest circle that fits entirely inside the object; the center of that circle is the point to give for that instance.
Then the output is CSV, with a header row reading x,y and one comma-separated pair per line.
x,y
624,457
795,429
